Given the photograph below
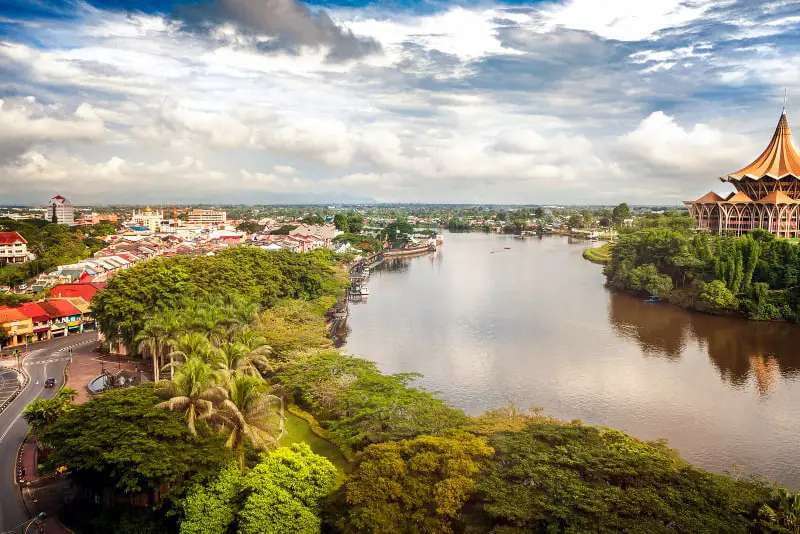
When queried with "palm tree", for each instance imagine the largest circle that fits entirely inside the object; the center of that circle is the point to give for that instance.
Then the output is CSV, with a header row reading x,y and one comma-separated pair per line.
x,y
194,389
239,356
194,346
150,340
251,413
783,513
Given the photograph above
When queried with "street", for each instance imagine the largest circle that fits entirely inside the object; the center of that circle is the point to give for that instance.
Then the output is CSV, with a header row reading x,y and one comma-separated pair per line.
x,y
44,360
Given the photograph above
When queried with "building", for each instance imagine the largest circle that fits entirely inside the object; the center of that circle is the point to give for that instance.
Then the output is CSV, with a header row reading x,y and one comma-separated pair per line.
x,y
203,216
326,231
767,193
65,319
13,248
60,211
16,325
148,219
40,319
96,218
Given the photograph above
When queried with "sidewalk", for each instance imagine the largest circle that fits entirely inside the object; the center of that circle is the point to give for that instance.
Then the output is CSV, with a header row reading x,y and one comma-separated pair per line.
x,y
86,366
42,494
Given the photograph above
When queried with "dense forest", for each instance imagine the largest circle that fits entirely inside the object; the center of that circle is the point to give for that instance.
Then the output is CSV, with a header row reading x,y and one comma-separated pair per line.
x,y
240,341
756,275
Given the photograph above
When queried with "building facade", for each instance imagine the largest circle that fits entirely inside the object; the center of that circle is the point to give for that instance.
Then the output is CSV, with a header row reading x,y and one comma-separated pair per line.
x,y
203,216
60,211
13,248
148,219
767,193
17,326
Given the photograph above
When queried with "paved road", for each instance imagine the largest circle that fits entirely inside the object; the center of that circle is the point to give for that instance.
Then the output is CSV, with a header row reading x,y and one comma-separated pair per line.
x,y
45,359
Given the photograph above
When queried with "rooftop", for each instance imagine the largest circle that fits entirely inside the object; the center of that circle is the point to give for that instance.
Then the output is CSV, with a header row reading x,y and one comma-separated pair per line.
x,y
779,159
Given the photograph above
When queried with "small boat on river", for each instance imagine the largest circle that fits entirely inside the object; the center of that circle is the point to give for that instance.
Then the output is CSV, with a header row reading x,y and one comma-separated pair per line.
x,y
653,298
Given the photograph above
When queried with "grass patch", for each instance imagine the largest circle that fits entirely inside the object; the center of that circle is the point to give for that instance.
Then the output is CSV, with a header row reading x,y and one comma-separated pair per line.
x,y
298,430
598,254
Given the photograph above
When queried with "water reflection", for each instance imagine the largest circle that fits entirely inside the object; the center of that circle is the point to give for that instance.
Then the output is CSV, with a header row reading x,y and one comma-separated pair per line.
x,y
739,350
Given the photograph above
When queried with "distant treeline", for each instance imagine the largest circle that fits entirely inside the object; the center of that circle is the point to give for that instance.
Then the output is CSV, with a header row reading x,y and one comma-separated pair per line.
x,y
756,275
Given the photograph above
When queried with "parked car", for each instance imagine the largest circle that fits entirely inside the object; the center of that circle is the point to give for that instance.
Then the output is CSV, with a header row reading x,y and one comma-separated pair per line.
x,y
50,382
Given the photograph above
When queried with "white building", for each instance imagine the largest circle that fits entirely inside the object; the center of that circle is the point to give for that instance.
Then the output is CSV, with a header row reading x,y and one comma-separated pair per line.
x,y
148,219
203,216
13,248
60,211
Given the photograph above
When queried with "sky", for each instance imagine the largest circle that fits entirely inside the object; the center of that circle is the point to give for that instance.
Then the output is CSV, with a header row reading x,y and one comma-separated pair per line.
x,y
269,101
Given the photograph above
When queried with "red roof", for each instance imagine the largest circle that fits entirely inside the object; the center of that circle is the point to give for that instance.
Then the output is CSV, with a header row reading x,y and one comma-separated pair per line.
x,y
84,290
9,238
86,277
59,308
9,315
34,311
59,197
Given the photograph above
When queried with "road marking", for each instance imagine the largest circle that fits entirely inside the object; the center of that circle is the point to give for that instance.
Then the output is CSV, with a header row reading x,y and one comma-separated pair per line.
x,y
10,427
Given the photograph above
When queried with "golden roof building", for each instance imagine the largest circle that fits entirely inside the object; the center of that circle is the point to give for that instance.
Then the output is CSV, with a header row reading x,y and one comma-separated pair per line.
x,y
767,193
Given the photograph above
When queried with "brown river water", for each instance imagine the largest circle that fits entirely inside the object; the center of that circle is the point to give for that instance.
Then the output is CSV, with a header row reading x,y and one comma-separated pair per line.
x,y
533,325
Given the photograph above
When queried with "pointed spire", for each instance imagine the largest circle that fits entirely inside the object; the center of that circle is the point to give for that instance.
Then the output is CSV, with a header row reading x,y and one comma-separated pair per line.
x,y
778,160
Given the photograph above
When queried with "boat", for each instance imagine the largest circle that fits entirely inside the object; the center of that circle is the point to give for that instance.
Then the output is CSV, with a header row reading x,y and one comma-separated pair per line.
x,y
653,298
507,248
364,291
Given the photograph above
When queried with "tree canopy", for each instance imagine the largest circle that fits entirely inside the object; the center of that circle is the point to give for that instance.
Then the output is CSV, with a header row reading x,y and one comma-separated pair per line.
x,y
557,478
120,440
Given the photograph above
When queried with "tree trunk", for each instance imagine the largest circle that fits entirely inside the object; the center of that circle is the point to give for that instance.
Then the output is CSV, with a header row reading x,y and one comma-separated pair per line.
x,y
155,367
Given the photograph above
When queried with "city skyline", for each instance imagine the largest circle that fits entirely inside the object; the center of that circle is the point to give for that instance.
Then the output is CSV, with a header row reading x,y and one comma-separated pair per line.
x,y
262,101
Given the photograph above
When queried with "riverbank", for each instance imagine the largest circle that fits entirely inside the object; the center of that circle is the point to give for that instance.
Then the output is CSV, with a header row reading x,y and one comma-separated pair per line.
x,y
600,255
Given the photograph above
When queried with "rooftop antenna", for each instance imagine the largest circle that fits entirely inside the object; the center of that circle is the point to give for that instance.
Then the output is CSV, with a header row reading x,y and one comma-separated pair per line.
x,y
784,100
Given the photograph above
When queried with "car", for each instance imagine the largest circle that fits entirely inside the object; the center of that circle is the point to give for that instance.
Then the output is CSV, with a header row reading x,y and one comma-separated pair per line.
x,y
50,382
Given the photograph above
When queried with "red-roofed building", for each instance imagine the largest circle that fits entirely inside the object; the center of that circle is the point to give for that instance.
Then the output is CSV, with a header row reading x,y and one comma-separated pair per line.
x,y
65,318
40,319
84,290
13,248
16,325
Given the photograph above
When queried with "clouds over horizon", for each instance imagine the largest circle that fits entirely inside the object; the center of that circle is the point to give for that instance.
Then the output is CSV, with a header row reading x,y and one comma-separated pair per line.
x,y
251,100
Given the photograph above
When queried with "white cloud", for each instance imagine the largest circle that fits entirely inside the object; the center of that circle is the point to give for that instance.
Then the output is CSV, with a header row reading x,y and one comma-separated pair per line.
x,y
659,141
471,103
26,120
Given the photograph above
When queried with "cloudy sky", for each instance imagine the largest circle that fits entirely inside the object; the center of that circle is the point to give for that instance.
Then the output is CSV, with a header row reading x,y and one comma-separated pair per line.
x,y
258,101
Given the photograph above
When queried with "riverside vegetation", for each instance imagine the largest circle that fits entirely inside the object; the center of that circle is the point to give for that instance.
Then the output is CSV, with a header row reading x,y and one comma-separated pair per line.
x,y
755,275
240,337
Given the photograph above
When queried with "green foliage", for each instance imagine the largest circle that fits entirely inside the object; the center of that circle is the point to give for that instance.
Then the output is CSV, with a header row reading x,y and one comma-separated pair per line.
x,y
620,213
361,242
781,514
169,283
211,509
341,223
281,494
716,296
358,405
121,440
283,230
760,274
550,478
249,227
397,232
41,413
414,485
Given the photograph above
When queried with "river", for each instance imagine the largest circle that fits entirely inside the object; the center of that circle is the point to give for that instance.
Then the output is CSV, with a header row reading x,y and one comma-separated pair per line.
x,y
533,325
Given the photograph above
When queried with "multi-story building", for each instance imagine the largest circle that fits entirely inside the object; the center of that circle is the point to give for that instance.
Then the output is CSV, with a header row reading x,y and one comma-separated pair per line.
x,y
13,248
60,211
18,327
148,219
767,193
40,319
204,216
